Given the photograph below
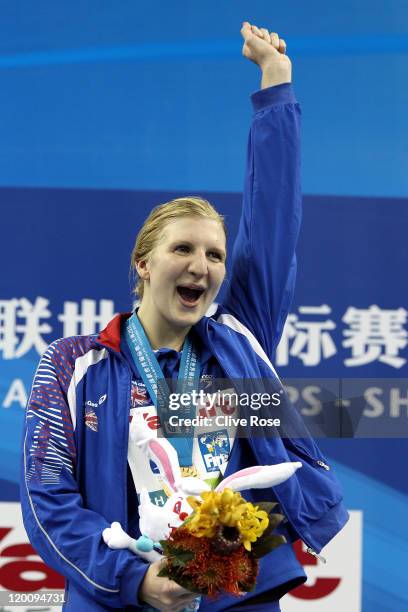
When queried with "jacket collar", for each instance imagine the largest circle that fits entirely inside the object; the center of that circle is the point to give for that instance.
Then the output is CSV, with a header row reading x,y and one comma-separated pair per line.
x,y
110,336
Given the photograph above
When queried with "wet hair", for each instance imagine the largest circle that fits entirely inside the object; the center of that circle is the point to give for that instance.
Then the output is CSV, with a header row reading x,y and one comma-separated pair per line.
x,y
152,229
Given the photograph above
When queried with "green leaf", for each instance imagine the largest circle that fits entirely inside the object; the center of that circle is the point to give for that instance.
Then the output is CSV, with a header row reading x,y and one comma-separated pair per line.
x,y
274,521
264,545
188,584
183,581
165,546
266,506
247,587
181,557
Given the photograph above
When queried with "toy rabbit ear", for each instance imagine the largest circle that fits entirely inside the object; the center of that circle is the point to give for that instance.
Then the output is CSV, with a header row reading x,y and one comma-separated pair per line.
x,y
190,485
165,456
259,476
158,450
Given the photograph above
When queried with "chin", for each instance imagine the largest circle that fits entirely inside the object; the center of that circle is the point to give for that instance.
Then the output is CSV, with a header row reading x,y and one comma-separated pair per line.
x,y
187,319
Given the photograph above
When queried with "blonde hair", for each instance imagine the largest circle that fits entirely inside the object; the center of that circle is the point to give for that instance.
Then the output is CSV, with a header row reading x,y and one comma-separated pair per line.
x,y
152,229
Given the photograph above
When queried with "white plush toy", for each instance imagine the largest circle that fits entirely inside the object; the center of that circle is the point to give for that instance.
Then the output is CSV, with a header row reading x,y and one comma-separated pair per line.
x,y
156,522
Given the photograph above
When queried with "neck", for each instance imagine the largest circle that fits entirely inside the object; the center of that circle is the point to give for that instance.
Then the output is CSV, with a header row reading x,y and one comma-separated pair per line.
x,y
159,333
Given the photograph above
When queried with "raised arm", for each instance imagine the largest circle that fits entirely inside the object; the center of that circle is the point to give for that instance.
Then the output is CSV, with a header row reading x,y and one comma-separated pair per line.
x,y
263,271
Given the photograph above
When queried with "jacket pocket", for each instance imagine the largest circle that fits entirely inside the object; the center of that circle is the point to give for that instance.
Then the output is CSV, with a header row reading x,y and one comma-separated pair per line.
x,y
297,448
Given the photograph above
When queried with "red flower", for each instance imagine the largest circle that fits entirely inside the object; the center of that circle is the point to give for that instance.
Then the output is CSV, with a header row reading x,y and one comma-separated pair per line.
x,y
210,571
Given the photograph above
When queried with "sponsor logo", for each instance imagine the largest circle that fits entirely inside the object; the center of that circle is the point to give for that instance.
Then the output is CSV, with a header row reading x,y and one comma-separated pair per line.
x,y
215,449
206,381
98,403
139,395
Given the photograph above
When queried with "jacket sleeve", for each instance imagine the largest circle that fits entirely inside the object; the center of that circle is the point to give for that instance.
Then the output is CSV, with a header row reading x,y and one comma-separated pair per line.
x,y
263,270
65,534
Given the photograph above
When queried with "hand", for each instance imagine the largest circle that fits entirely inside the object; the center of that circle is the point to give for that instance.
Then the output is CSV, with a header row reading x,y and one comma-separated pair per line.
x,y
115,537
267,50
162,593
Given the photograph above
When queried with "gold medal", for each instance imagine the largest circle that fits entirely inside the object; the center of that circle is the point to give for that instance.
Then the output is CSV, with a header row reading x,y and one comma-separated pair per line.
x,y
185,471
189,471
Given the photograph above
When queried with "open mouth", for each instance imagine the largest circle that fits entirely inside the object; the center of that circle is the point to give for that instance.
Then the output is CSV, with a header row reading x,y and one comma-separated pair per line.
x,y
189,295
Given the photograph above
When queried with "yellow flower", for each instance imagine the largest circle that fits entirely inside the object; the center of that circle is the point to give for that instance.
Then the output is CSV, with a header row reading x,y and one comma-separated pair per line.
x,y
226,508
252,525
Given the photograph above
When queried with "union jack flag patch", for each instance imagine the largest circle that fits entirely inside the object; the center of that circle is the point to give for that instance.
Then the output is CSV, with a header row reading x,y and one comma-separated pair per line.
x,y
91,420
139,395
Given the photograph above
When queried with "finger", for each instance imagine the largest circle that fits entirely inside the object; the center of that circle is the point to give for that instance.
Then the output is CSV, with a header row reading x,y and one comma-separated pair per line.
x,y
265,35
246,30
179,591
282,46
256,31
274,39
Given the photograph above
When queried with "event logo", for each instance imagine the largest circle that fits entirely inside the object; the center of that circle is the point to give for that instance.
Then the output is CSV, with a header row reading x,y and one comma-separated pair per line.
x,y
214,448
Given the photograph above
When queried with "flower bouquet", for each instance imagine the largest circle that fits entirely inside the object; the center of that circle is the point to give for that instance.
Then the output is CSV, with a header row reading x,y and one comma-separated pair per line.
x,y
211,539
216,549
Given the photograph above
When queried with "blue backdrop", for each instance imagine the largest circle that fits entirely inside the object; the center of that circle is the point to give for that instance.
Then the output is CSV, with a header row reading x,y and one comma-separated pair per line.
x,y
108,109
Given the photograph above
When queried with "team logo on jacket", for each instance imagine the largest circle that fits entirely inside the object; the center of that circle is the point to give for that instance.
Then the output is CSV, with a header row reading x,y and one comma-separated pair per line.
x,y
206,381
97,403
139,395
215,449
91,420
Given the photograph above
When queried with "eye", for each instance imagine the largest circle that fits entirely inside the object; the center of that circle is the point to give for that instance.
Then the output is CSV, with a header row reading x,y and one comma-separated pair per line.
x,y
182,248
215,255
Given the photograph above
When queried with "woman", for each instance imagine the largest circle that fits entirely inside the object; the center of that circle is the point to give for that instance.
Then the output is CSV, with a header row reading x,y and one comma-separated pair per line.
x,y
80,474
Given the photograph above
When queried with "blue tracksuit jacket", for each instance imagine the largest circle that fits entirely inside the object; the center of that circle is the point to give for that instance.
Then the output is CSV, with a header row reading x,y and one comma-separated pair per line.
x,y
74,469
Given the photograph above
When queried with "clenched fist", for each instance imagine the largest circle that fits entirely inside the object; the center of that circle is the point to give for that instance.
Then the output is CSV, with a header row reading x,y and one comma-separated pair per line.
x,y
267,50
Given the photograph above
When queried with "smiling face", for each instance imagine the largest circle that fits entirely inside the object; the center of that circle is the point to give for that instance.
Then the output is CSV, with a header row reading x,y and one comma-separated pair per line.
x,y
183,273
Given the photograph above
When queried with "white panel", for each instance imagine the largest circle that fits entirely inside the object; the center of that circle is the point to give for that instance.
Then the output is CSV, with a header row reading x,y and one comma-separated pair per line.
x,y
344,562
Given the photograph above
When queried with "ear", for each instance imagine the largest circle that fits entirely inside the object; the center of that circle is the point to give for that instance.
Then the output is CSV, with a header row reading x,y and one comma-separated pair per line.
x,y
142,269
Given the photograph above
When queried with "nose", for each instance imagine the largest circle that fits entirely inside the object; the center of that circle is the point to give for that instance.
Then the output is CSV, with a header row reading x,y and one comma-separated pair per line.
x,y
198,264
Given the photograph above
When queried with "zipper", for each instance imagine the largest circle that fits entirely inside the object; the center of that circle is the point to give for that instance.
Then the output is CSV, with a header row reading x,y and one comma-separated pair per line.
x,y
314,554
309,549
